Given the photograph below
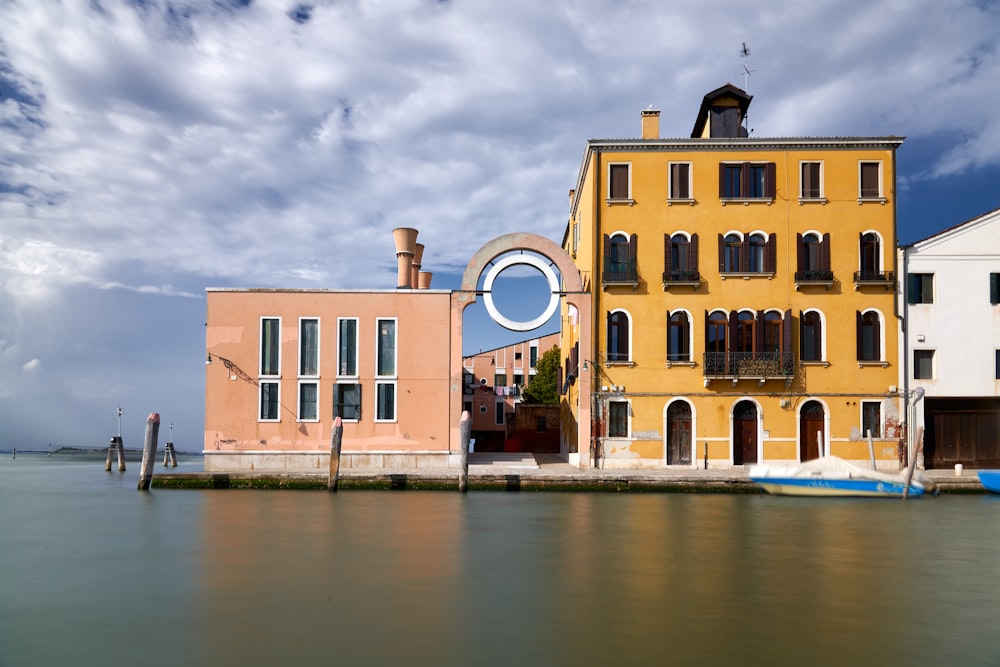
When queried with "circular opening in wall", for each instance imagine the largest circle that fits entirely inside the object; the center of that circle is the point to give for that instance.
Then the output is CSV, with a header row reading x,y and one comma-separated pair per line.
x,y
531,286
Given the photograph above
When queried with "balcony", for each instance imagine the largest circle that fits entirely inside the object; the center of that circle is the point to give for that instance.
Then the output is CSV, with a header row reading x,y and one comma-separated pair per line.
x,y
813,279
886,279
681,278
760,366
620,273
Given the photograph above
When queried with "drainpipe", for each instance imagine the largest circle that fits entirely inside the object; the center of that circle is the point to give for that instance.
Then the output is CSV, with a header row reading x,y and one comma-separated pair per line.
x,y
904,323
595,332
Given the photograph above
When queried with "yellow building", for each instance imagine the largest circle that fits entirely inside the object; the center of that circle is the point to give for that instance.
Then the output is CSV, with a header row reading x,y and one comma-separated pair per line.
x,y
742,290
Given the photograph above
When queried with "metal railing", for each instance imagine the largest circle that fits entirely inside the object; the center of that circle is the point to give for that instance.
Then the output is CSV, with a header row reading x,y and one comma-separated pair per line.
x,y
681,277
874,277
620,272
749,364
813,276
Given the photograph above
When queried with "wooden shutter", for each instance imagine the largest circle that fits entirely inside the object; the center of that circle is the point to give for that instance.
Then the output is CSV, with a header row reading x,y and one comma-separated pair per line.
x,y
877,338
770,174
722,180
666,257
745,255
861,346
731,334
708,329
912,288
722,254
758,332
802,260
574,359
607,250
824,253
693,253
745,179
994,288
619,181
771,254
633,242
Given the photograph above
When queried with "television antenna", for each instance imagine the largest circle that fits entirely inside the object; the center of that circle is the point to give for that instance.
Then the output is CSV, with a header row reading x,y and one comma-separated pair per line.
x,y
745,52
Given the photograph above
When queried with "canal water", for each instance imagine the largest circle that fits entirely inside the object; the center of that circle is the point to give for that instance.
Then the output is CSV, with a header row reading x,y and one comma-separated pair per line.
x,y
95,572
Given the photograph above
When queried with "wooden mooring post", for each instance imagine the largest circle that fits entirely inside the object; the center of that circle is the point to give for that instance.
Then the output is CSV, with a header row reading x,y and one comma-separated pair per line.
x,y
149,451
169,455
465,433
336,437
116,446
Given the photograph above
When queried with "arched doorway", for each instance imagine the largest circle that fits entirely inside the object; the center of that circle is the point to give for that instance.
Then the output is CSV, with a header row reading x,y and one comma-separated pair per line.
x,y
679,433
745,433
811,420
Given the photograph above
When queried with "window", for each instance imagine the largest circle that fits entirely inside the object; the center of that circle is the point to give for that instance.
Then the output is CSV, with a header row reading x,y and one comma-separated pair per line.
x,y
467,407
772,332
308,401
619,186
533,356
617,419
499,413
745,332
811,183
870,256
995,288
747,180
519,379
680,257
385,362
679,337
733,246
871,419
308,347
715,335
385,401
920,288
619,258
757,242
869,336
618,336
347,347
996,363
270,346
500,380
923,364
680,181
811,336
813,254
870,175
347,401
269,401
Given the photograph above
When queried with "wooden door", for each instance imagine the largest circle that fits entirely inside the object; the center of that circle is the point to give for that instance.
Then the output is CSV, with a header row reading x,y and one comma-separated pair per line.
x,y
679,433
745,433
810,430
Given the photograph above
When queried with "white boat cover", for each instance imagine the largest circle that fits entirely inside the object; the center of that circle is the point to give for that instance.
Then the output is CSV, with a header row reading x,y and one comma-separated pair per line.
x,y
832,468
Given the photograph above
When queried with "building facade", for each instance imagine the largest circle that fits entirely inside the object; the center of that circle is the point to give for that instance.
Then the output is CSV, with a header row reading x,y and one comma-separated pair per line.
x,y
743,296
950,294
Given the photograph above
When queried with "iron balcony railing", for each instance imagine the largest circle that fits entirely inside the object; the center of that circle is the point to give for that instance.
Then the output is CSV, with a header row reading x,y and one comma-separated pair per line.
x,y
880,277
749,364
681,277
625,273
813,276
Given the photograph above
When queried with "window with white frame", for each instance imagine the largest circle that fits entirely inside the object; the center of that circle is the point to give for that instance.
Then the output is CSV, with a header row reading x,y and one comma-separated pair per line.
x,y
678,337
269,401
270,346
347,347
308,401
619,341
385,362
619,181
923,364
870,180
811,180
810,336
869,333
308,347
679,185
347,401
385,401
617,419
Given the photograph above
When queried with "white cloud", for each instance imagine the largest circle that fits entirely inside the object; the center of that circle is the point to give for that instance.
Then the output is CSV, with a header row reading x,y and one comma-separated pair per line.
x,y
32,366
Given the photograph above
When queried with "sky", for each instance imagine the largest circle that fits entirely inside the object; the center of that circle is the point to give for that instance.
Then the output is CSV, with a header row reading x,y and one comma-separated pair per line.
x,y
150,149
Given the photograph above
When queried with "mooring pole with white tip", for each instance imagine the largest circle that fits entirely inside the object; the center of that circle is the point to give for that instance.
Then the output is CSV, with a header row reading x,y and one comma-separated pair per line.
x,y
149,451
465,433
336,437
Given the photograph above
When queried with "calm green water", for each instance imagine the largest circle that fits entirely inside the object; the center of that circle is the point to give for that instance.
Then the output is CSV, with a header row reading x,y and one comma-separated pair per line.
x,y
95,572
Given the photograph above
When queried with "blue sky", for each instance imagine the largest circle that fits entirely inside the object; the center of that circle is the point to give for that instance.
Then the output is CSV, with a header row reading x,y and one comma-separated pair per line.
x,y
151,149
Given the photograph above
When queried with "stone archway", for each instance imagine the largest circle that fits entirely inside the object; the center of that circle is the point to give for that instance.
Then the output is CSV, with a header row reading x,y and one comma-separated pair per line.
x,y
571,290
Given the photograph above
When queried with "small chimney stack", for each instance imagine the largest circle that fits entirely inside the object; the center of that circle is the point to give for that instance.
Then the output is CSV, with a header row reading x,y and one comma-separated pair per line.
x,y
650,123
406,246
425,280
418,257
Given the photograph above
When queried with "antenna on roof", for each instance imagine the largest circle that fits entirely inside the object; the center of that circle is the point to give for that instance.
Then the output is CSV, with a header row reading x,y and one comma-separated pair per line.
x,y
745,52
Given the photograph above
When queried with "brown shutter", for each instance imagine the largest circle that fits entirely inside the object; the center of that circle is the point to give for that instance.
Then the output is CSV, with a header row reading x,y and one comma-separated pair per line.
x,y
708,329
731,334
693,253
745,180
722,254
807,180
824,253
758,331
770,175
802,331
857,314
771,254
607,252
877,338
722,180
666,256
745,255
632,245
574,359
802,261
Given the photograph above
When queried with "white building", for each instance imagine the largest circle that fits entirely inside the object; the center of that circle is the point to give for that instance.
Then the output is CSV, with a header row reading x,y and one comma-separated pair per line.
x,y
950,303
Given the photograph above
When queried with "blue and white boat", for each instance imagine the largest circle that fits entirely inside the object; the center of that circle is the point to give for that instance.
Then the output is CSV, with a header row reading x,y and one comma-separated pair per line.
x,y
990,480
833,476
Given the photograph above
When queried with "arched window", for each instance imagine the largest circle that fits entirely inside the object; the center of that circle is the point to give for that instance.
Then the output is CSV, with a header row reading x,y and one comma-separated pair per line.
x,y
757,242
811,252
679,253
618,253
772,333
618,336
716,332
679,337
870,264
869,336
811,336
745,329
733,245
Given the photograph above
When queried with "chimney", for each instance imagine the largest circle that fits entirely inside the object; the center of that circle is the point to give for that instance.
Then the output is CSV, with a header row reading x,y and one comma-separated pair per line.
x,y
650,123
406,242
418,257
425,280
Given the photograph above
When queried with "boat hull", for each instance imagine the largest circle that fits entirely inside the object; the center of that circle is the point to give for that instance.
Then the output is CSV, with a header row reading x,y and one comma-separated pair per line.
x,y
990,479
836,488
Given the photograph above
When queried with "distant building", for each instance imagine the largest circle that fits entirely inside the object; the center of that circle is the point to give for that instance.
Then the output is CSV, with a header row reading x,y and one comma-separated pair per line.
x,y
494,380
950,296
742,296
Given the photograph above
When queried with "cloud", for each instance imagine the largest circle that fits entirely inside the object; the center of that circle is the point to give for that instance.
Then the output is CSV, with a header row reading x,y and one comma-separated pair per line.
x,y
32,366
